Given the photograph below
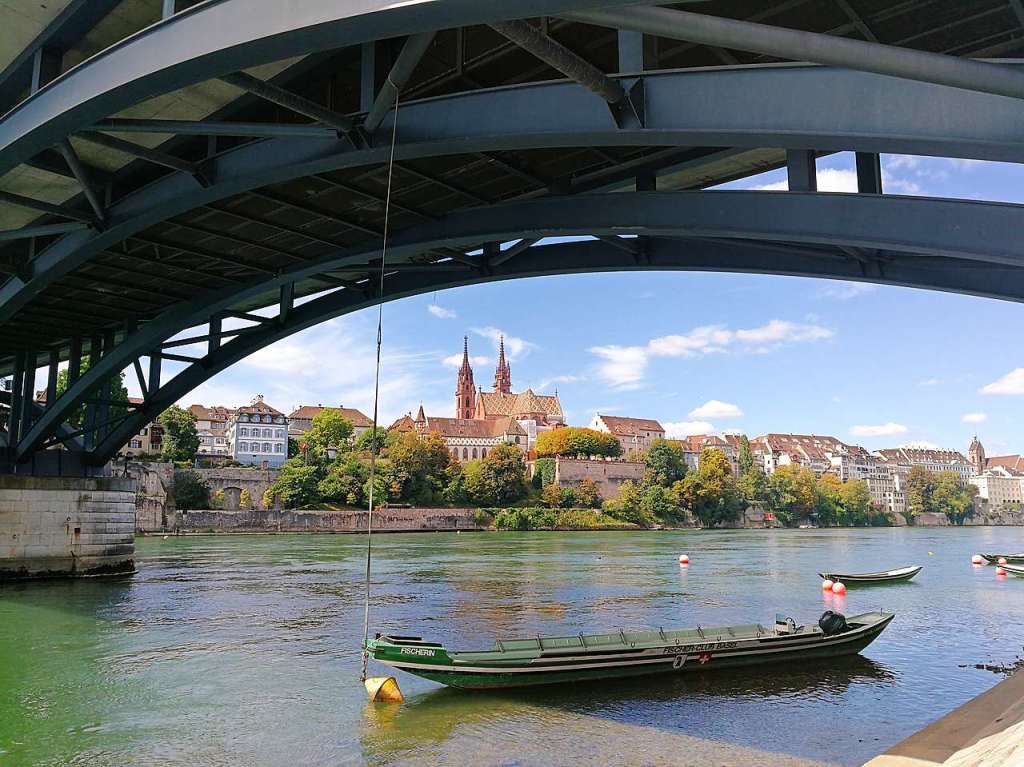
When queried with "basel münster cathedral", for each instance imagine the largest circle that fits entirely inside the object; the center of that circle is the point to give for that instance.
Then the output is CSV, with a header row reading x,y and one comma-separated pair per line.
x,y
487,418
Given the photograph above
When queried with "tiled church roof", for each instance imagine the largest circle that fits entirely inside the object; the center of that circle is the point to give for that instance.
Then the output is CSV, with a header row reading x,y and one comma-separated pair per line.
x,y
491,404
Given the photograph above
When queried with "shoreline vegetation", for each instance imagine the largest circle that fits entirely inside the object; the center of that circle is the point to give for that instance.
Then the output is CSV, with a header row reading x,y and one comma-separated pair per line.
x,y
414,470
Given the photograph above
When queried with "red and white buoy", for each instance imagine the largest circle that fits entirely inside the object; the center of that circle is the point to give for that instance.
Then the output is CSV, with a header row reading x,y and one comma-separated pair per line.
x,y
838,588
826,585
684,559
1000,571
977,559
1002,561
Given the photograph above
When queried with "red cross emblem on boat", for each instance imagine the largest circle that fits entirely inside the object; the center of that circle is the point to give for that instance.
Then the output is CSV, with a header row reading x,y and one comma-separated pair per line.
x,y
704,657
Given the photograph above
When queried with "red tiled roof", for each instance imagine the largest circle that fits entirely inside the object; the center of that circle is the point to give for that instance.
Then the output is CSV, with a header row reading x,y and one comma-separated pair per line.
x,y
1011,462
258,406
214,413
356,417
627,427
474,427
525,403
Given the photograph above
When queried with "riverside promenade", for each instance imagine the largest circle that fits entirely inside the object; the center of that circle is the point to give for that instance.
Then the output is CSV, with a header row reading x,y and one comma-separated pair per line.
x,y
988,730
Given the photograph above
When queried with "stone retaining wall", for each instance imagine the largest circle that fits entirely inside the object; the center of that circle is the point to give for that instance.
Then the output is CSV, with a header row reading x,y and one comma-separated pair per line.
x,y
607,475
285,521
63,526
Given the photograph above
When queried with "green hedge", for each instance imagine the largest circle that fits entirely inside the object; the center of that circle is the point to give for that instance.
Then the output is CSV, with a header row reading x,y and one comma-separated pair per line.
x,y
535,518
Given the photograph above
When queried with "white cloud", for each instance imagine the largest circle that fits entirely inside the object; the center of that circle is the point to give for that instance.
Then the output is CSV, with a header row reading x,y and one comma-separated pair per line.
x,y
623,367
930,382
1011,383
544,384
514,347
455,360
973,417
441,313
681,429
844,291
714,408
880,430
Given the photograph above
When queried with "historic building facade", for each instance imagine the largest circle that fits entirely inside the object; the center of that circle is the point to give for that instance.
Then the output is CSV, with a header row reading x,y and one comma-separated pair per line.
x,y
257,434
300,420
632,433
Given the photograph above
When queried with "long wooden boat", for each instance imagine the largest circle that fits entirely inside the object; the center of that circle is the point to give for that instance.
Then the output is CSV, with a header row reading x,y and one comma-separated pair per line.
x,y
887,576
1014,569
1013,559
548,660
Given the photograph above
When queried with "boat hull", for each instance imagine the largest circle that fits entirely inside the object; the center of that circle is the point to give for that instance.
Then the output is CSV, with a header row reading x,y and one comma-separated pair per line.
x,y
1017,570
1013,559
892,576
671,659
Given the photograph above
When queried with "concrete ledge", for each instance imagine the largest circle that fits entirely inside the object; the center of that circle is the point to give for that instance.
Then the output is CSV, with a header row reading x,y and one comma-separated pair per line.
x,y
988,730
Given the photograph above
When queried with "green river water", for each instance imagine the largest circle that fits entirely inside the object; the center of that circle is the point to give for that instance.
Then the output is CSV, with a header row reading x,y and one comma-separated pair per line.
x,y
244,650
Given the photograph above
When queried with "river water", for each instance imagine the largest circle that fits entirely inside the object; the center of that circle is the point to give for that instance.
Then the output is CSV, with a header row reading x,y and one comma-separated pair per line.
x,y
244,649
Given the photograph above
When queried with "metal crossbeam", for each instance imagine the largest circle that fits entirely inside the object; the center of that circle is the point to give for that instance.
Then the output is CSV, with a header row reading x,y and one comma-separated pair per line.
x,y
71,158
285,98
44,207
212,128
557,56
413,50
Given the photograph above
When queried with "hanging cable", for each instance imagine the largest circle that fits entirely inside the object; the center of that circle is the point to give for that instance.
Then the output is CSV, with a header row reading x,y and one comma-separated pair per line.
x,y
375,441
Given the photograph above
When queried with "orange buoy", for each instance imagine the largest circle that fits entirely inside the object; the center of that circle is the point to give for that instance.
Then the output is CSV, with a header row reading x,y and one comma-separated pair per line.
x,y
826,585
976,559
838,588
1000,571
684,559
1002,560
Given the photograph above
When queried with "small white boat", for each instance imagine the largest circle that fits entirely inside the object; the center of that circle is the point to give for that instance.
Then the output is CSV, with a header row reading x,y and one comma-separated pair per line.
x,y
887,576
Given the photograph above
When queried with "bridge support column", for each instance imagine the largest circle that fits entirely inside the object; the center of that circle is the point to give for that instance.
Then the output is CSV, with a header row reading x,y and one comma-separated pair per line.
x,y
66,527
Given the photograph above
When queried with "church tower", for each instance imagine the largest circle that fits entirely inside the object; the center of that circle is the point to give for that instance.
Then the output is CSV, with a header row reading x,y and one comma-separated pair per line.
x,y
503,373
976,455
465,390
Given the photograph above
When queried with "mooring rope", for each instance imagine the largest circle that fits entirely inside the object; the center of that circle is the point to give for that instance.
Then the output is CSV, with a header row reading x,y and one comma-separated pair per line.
x,y
375,442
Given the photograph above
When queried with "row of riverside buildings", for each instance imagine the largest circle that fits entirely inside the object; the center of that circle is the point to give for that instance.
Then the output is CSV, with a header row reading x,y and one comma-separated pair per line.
x,y
257,434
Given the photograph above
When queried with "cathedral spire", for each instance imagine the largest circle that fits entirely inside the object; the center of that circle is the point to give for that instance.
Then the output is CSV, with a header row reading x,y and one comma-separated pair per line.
x,y
503,373
465,389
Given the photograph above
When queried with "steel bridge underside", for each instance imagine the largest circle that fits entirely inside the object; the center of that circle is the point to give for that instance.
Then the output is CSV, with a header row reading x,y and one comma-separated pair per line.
x,y
589,141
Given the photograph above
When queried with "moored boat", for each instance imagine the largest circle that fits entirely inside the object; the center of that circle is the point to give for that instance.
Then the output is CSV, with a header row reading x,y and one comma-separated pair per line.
x,y
1013,559
886,576
549,660
1014,569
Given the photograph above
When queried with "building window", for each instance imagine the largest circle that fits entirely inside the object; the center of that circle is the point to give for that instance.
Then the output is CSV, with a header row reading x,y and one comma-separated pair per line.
x,y
243,432
483,452
474,452
278,448
465,454
266,447
243,447
136,443
280,433
517,440
455,453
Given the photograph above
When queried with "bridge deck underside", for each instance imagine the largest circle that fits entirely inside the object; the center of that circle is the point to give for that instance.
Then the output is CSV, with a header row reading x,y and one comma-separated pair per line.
x,y
120,231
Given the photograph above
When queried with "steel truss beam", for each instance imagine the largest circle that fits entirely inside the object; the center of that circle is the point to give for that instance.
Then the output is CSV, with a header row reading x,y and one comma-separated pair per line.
x,y
562,258
953,245
725,107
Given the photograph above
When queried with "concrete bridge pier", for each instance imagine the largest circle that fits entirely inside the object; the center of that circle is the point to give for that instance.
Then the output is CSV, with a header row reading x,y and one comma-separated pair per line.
x,y
66,526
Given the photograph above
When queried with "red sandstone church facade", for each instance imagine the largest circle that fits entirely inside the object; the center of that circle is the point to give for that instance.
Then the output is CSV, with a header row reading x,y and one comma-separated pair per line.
x,y
484,419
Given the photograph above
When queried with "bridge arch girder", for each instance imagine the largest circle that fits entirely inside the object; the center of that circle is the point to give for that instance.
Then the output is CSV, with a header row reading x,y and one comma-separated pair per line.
x,y
701,108
959,246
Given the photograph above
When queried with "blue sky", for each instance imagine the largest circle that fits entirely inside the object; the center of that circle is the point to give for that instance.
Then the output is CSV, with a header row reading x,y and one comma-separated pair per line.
x,y
876,366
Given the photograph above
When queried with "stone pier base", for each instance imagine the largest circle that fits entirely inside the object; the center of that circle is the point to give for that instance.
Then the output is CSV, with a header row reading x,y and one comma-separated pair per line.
x,y
66,527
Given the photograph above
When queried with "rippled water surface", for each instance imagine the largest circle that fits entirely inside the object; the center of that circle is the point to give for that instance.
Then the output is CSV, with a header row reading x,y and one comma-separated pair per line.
x,y
244,650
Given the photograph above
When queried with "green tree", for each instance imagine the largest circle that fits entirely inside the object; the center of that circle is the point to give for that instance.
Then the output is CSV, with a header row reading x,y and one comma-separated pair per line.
x,y
190,490
626,506
828,501
506,464
297,485
417,465
952,499
753,487
118,395
345,481
792,493
366,441
588,495
577,442
479,485
710,492
294,451
746,457
329,429
543,472
856,500
181,441
245,499
656,502
665,462
920,487
556,497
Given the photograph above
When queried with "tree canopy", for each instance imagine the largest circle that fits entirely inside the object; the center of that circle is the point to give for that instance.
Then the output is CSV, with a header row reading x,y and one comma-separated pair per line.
x,y
181,440
666,463
577,442
329,429
118,395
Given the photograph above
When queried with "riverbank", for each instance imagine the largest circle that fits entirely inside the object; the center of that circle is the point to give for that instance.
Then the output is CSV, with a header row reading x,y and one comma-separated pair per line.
x,y
988,730
409,520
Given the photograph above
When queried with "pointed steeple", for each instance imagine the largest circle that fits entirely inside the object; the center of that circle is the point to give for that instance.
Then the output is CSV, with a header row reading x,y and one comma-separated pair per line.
x,y
465,389
503,373
420,415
